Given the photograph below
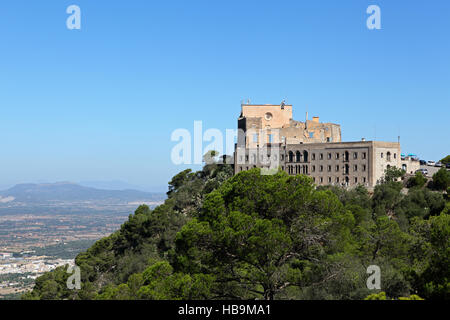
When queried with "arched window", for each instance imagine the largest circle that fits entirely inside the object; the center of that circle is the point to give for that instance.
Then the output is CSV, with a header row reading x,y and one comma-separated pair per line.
x,y
305,156
346,156
388,156
297,156
291,156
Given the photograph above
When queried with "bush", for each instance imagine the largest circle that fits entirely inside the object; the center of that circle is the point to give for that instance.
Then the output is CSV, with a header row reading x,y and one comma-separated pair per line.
x,y
417,181
441,179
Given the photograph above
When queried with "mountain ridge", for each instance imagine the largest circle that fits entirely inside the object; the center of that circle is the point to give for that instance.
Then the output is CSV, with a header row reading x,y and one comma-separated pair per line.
x,y
70,191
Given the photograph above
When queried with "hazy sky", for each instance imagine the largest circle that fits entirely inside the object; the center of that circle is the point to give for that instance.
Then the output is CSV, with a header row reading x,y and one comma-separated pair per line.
x,y
101,103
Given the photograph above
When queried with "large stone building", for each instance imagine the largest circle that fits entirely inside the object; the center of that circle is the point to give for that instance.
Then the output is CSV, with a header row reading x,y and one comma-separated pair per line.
x,y
270,139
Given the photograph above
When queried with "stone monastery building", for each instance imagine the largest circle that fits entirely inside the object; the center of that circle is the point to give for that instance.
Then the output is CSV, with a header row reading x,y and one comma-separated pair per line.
x,y
269,138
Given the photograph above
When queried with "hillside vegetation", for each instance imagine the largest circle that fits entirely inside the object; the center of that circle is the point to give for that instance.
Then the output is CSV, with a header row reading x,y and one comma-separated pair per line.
x,y
253,236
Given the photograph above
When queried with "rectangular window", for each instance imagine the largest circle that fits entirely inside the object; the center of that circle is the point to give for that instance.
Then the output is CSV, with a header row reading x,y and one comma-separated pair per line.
x,y
337,155
321,156
364,167
329,168
337,168
355,155
329,156
364,155
314,156
355,168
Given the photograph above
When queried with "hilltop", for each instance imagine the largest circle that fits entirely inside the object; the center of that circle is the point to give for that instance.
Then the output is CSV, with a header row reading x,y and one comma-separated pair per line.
x,y
253,236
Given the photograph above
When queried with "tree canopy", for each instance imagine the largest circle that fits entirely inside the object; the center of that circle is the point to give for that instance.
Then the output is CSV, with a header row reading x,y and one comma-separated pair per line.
x,y
254,236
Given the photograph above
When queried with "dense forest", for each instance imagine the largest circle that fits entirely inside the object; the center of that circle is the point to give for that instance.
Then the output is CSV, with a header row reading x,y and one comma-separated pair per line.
x,y
253,236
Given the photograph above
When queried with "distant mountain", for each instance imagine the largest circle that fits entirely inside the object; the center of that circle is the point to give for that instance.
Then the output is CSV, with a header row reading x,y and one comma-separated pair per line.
x,y
118,185
71,192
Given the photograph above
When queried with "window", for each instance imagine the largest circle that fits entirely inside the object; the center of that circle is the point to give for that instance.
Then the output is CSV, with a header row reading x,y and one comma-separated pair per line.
x,y
329,156
314,156
395,156
364,167
355,168
329,168
363,155
321,168
337,155
313,168
355,155
356,180
329,179
246,158
388,156
337,179
382,155
364,179
321,179
321,156
337,168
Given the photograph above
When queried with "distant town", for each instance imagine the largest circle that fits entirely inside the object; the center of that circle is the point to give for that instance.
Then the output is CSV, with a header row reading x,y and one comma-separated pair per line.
x,y
39,233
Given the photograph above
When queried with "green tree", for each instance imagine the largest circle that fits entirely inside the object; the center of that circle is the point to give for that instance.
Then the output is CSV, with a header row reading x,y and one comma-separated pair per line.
x,y
259,234
445,160
441,179
417,181
392,174
430,256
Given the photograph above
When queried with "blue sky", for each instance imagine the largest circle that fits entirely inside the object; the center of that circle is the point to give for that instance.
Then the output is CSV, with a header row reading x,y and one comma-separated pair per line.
x,y
101,103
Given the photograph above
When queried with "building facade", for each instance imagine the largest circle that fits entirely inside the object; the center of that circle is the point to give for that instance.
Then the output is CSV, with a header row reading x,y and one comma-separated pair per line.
x,y
312,148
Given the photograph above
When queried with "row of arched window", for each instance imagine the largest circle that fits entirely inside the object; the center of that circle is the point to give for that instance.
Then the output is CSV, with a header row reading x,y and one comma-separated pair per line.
x,y
297,169
298,156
